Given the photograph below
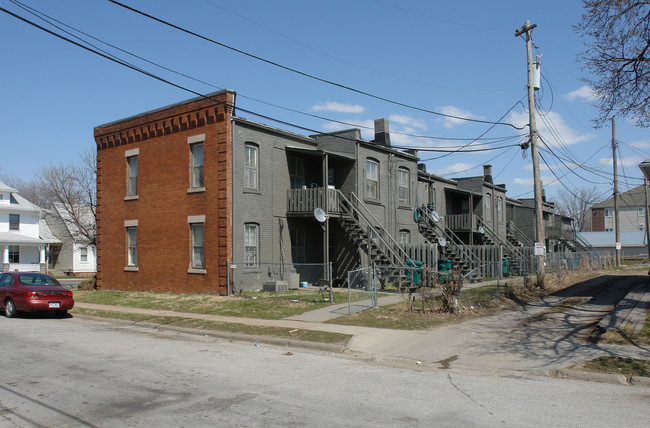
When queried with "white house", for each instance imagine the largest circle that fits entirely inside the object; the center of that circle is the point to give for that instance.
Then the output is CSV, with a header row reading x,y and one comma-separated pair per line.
x,y
21,243
74,254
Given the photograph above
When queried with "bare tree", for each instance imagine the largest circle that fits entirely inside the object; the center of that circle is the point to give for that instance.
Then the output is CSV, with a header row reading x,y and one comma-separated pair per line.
x,y
617,57
30,190
72,188
577,206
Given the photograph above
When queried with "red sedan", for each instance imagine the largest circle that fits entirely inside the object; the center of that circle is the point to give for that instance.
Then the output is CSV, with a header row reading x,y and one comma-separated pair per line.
x,y
27,291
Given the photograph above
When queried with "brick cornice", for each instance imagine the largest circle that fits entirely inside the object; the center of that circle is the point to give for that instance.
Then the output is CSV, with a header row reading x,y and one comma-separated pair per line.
x,y
191,115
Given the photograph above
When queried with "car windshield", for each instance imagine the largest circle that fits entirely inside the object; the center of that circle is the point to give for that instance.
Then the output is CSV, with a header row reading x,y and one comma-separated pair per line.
x,y
36,279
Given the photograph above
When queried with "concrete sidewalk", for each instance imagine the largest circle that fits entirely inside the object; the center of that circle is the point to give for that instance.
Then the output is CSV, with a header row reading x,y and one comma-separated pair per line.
x,y
532,338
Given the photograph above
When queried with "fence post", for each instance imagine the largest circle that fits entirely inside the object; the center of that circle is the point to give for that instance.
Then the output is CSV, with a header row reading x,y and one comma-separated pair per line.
x,y
331,284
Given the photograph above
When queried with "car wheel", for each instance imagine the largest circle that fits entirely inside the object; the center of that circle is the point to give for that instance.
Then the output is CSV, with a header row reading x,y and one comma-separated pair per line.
x,y
10,309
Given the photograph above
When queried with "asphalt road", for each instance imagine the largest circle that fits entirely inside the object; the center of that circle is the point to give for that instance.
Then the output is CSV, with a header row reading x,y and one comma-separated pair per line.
x,y
83,373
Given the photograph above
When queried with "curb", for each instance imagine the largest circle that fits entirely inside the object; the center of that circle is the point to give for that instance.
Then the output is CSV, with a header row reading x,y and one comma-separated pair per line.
x,y
239,337
611,378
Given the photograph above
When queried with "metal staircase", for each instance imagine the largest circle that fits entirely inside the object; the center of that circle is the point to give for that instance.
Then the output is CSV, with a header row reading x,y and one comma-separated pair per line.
x,y
433,229
516,237
364,229
509,250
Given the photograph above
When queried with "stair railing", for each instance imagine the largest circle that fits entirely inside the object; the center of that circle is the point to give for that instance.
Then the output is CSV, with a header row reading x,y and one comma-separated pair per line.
x,y
451,238
520,236
384,242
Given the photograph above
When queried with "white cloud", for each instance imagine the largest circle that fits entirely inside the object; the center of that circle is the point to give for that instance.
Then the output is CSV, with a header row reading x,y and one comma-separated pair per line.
x,y
455,168
339,107
450,122
584,93
641,144
557,125
407,121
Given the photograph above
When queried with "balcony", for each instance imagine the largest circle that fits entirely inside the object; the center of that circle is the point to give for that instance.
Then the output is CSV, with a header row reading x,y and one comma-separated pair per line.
x,y
461,222
305,201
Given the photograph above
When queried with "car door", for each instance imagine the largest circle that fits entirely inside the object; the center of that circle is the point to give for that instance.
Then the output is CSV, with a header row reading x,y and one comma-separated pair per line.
x,y
5,282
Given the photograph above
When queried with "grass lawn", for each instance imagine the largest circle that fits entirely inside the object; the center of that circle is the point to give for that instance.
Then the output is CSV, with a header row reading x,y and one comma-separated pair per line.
x,y
285,333
251,305
625,366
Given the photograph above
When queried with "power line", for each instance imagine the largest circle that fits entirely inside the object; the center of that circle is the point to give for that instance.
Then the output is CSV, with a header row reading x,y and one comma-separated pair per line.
x,y
46,18
304,74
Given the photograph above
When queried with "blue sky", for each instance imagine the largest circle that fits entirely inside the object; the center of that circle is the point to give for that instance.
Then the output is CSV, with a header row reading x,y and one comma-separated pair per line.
x,y
458,58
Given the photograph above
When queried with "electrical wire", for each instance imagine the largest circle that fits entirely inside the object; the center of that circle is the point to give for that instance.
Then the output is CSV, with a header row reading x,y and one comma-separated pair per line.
x,y
307,75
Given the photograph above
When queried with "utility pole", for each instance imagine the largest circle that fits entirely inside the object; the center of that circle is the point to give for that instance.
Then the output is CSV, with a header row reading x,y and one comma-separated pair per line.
x,y
617,230
539,218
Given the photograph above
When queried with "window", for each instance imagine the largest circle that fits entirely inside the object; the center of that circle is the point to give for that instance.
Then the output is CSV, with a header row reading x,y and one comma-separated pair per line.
x,y
372,179
251,245
132,246
609,212
198,259
404,237
132,176
641,212
499,208
83,254
296,172
14,221
297,244
432,197
196,165
14,254
403,186
251,167
488,206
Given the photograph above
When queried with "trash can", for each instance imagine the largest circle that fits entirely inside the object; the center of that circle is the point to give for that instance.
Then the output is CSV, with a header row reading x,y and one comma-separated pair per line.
x,y
505,264
415,273
444,267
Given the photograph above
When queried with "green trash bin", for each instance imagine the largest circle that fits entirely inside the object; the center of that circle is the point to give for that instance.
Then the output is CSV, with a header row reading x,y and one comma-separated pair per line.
x,y
444,267
505,264
415,274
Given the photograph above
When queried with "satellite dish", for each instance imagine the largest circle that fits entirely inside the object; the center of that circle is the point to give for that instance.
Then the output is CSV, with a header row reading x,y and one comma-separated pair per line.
x,y
481,230
442,241
435,216
320,215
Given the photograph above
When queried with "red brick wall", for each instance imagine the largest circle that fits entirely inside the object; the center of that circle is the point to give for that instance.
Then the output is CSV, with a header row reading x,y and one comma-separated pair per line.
x,y
164,203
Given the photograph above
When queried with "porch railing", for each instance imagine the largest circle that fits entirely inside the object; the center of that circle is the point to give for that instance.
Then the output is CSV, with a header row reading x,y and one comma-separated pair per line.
x,y
464,222
25,267
307,200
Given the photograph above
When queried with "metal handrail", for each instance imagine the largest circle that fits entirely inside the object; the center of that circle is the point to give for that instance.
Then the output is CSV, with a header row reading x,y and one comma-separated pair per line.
x,y
518,234
501,241
393,248
450,237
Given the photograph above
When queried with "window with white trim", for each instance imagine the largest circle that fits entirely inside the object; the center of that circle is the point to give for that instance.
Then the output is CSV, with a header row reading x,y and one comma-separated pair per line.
x,y
251,245
83,254
198,258
609,212
14,221
132,176
14,254
196,165
488,206
403,186
372,179
404,236
499,208
251,166
132,246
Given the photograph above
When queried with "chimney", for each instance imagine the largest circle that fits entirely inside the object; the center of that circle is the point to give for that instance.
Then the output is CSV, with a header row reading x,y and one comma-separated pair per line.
x,y
487,173
382,134
422,167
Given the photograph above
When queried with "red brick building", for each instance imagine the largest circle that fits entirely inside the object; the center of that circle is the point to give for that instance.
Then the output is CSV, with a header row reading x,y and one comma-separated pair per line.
x,y
155,198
